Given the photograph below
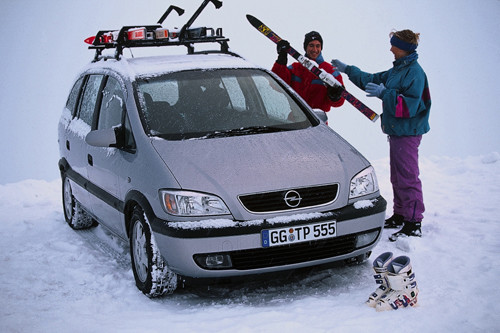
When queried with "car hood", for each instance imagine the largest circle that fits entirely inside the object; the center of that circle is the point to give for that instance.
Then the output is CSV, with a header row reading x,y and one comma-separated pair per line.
x,y
237,165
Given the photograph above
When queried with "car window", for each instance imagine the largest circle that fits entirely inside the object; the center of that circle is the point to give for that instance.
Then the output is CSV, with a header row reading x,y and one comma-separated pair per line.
x,y
234,92
110,112
195,104
163,91
73,96
275,102
89,98
129,137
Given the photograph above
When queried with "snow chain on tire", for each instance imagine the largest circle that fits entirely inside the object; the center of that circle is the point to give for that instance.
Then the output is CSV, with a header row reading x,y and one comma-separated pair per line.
x,y
163,280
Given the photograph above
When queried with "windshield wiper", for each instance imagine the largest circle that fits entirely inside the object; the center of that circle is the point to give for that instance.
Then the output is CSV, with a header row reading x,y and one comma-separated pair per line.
x,y
244,131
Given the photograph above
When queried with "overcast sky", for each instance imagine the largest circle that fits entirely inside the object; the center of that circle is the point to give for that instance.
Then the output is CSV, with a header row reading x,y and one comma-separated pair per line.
x,y
42,51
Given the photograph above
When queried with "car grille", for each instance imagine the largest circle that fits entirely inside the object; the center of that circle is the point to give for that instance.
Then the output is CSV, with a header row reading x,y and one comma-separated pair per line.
x,y
298,198
293,254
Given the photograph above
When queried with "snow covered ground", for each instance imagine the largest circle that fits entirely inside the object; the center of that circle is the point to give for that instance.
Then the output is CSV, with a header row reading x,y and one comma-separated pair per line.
x,y
54,279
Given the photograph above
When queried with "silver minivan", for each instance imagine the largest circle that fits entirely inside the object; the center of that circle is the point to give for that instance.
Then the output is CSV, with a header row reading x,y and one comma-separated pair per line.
x,y
212,168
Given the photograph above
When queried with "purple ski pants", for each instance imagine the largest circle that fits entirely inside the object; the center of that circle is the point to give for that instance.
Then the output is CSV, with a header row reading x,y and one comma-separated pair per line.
x,y
406,185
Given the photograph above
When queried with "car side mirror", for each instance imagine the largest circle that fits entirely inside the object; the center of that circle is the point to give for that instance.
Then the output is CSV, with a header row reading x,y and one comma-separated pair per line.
x,y
321,115
103,138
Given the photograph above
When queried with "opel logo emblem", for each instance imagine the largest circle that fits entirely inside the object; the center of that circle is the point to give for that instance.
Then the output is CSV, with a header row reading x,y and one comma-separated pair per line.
x,y
292,199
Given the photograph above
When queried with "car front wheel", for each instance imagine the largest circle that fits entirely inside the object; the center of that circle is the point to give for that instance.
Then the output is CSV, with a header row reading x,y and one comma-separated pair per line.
x,y
152,275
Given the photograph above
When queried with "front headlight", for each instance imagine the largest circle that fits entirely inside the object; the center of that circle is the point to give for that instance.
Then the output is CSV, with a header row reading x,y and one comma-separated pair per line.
x,y
363,183
185,203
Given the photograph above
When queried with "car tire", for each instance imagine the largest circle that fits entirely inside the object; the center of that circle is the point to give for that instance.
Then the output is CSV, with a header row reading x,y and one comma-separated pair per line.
x,y
75,216
151,273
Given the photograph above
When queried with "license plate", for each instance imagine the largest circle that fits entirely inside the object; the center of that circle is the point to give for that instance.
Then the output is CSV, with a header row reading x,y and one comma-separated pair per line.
x,y
298,234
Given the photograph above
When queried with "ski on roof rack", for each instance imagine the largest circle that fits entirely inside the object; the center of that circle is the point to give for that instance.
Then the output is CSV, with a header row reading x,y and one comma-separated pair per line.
x,y
156,35
179,11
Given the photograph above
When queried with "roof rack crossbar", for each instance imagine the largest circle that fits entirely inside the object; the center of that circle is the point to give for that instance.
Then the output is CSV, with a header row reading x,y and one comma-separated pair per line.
x,y
187,36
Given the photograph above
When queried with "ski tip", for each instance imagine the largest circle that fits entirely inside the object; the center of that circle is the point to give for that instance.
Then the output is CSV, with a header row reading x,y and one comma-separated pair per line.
x,y
253,20
375,117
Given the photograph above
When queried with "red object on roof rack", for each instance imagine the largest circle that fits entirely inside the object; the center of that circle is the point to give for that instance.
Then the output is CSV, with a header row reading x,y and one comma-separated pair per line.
x,y
90,40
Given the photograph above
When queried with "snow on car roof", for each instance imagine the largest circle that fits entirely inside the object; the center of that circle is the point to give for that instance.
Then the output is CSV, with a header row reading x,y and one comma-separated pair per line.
x,y
159,65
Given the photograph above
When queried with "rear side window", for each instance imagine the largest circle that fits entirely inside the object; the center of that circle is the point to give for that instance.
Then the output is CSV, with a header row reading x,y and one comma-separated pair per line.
x,y
89,98
73,96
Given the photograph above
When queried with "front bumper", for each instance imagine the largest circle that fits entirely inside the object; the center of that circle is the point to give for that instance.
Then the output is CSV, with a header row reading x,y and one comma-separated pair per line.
x,y
237,245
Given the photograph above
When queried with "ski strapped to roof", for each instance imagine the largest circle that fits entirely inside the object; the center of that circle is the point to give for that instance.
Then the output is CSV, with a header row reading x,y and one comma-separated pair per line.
x,y
157,35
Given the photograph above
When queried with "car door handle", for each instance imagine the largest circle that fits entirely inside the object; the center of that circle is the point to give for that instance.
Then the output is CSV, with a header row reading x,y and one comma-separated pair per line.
x,y
90,160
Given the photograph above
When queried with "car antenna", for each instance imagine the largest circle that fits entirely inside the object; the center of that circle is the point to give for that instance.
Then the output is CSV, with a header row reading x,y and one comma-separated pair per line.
x,y
179,11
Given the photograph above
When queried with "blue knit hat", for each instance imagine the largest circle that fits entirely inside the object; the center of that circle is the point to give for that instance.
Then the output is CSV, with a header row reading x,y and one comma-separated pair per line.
x,y
401,44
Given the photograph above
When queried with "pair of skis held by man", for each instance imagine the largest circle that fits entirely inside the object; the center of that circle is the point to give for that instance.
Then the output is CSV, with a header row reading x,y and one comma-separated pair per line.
x,y
312,66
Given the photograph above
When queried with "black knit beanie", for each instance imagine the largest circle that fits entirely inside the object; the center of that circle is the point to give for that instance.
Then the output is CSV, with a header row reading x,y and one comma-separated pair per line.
x,y
310,36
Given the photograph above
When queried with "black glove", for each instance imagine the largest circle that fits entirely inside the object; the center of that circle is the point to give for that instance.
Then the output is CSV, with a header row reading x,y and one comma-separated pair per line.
x,y
334,93
282,48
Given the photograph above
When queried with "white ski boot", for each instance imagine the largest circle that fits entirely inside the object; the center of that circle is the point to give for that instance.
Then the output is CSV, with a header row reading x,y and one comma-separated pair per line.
x,y
380,268
403,287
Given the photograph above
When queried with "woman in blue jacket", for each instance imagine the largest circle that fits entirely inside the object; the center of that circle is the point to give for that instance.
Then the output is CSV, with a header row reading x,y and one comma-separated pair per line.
x,y
406,103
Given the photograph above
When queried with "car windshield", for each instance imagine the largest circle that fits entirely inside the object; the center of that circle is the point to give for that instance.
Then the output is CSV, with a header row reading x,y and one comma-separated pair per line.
x,y
217,103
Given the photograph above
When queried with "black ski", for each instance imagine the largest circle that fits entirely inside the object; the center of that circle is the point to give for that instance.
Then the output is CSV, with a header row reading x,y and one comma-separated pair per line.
x,y
313,67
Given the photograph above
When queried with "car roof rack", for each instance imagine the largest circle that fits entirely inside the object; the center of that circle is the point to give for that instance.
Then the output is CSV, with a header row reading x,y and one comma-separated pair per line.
x,y
156,35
